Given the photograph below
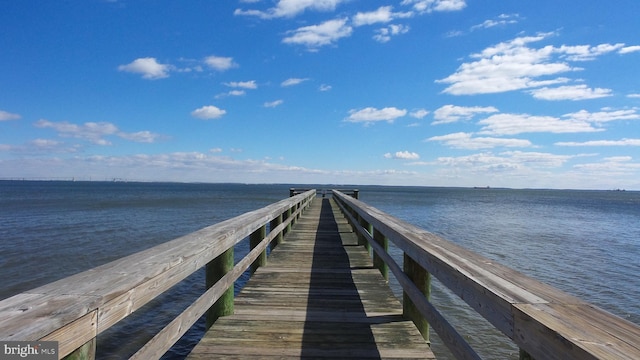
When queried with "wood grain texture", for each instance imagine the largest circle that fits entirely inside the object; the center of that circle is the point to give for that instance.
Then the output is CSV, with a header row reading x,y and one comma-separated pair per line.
x,y
318,296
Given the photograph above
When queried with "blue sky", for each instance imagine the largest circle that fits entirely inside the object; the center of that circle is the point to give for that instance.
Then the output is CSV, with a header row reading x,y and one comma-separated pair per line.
x,y
541,94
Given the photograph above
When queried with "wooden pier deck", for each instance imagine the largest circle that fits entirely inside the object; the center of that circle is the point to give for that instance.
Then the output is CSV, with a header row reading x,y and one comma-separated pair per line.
x,y
318,297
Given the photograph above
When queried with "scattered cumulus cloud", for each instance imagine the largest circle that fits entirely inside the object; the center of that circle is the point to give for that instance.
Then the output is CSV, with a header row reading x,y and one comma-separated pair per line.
x,y
292,82
291,8
570,92
502,20
95,132
428,6
452,113
629,49
370,114
515,65
511,124
220,63
383,14
208,112
315,36
419,114
384,34
403,155
272,104
603,116
243,84
463,140
5,116
148,67
623,142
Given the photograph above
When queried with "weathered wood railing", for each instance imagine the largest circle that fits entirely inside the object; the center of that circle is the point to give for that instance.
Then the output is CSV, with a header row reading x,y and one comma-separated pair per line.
x,y
74,310
543,321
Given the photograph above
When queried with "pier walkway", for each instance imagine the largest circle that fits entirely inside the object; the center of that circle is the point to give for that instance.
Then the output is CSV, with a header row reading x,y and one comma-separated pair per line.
x,y
318,296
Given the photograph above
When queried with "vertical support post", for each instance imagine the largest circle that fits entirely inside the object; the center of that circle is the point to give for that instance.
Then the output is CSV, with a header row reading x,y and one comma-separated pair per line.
x,y
287,214
355,193
272,225
422,279
84,352
215,270
254,239
364,224
377,260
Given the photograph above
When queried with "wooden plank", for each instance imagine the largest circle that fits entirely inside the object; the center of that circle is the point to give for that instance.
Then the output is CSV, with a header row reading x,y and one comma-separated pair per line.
x,y
318,296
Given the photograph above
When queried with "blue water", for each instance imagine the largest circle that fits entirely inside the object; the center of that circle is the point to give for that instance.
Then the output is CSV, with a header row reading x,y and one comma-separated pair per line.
x,y
586,243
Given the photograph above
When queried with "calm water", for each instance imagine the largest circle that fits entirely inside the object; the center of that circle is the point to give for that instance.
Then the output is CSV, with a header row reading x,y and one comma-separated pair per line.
x,y
586,243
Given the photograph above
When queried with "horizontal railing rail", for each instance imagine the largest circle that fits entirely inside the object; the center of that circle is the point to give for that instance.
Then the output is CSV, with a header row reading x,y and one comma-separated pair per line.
x,y
74,310
543,321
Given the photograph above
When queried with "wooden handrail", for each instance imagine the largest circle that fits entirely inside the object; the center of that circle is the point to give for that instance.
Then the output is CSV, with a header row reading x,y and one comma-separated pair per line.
x,y
543,321
74,310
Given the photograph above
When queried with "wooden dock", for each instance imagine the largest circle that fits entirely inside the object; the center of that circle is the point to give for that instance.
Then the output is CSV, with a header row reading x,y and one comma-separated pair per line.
x,y
319,296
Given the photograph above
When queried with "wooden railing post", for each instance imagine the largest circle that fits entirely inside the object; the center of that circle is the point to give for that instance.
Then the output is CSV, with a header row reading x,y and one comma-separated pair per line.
x,y
254,239
286,215
422,279
272,225
361,239
84,352
215,270
377,260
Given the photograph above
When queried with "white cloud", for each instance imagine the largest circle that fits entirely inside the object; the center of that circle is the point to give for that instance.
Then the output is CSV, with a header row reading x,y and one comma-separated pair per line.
x,y
220,63
291,8
272,104
370,114
511,124
570,92
452,113
623,142
466,141
384,34
95,132
91,131
292,82
587,52
427,6
403,155
503,19
514,65
382,15
5,115
634,96
324,87
506,161
315,36
629,49
208,112
604,116
140,136
148,67
419,114
243,84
